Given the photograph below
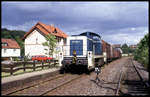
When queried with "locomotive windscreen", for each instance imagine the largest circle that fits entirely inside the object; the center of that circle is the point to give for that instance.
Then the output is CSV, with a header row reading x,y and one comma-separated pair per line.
x,y
76,45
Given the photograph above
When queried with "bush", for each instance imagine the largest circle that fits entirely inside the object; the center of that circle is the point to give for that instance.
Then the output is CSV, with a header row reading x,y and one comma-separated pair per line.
x,y
16,59
142,52
27,58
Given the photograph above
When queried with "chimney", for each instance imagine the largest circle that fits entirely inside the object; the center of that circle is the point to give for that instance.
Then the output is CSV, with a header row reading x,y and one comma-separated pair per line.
x,y
52,25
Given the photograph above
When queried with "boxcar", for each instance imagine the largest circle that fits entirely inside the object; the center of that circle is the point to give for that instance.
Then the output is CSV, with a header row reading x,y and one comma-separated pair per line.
x,y
106,51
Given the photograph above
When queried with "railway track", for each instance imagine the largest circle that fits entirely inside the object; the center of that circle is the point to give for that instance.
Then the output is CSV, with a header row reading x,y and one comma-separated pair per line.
x,y
146,84
44,87
133,80
32,85
49,91
119,83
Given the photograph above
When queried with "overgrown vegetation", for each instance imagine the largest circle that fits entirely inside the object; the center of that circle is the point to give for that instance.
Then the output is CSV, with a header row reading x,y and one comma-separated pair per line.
x,y
14,34
126,49
50,43
142,52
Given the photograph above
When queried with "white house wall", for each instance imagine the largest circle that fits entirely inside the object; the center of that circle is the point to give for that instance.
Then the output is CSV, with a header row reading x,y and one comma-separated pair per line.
x,y
31,38
33,45
32,50
10,52
59,48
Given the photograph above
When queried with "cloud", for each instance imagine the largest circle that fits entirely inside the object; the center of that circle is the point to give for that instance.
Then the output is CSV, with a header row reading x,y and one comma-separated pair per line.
x,y
24,27
128,36
109,19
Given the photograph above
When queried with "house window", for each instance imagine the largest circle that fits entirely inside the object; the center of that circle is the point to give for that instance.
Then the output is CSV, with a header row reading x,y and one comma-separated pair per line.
x,y
14,50
36,40
58,40
5,50
64,40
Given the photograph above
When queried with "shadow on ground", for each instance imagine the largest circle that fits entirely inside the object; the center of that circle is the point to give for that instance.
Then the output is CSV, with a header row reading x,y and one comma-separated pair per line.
x,y
103,84
76,70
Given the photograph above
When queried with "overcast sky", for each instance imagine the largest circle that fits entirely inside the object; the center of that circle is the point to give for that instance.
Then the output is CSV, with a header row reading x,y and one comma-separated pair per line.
x,y
116,22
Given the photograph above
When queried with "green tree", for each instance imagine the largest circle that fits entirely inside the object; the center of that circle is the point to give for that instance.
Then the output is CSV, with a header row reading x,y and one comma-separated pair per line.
x,y
50,43
131,50
21,44
125,48
14,34
6,34
142,52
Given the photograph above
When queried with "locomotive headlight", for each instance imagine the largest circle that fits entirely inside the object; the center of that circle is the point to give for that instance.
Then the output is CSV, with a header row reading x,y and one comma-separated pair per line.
x,y
89,54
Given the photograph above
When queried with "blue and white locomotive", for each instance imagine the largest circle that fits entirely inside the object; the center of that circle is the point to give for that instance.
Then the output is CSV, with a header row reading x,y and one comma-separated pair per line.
x,y
84,50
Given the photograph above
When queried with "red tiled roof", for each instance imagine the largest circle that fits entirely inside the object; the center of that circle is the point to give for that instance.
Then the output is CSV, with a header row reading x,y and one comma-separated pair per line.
x,y
11,43
47,29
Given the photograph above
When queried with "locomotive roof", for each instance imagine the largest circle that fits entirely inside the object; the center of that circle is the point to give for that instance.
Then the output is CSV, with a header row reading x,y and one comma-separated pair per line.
x,y
91,33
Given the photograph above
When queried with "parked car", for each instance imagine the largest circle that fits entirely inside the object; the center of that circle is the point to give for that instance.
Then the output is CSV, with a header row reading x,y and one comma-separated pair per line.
x,y
41,58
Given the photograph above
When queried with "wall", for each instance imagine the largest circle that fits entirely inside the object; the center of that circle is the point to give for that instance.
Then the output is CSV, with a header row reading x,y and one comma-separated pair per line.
x,y
10,52
33,45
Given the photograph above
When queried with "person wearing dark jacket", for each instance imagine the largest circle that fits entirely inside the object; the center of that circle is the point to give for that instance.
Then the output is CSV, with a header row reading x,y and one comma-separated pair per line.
x,y
97,71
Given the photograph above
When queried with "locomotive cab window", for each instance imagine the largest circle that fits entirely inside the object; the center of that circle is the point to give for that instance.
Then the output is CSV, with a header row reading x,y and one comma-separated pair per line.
x,y
76,45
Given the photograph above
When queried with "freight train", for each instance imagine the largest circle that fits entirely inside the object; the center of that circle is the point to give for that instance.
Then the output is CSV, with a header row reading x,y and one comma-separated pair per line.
x,y
110,53
86,51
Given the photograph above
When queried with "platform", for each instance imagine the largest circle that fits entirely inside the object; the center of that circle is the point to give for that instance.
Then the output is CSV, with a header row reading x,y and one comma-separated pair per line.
x,y
17,80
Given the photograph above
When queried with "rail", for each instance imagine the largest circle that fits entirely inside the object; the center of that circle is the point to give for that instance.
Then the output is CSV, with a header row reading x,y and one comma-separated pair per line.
x,y
145,83
118,86
63,84
35,84
121,75
42,93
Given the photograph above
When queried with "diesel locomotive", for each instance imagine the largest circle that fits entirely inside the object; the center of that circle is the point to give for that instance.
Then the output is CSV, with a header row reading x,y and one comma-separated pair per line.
x,y
84,50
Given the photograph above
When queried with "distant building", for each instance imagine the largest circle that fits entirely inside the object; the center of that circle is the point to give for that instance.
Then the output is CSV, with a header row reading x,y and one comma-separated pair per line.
x,y
10,48
36,36
117,45
125,55
133,46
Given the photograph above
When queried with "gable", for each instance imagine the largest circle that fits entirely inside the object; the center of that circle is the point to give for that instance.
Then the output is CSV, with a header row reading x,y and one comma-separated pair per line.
x,y
35,37
47,29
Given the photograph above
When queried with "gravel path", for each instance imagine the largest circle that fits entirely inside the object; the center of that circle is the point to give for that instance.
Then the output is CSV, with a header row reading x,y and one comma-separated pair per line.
x,y
87,85
132,84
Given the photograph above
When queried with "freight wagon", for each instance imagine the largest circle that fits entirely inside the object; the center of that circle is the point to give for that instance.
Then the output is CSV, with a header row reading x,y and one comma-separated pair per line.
x,y
84,50
106,51
115,53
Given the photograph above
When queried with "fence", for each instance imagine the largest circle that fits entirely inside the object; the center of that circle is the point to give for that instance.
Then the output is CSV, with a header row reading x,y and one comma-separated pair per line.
x,y
16,66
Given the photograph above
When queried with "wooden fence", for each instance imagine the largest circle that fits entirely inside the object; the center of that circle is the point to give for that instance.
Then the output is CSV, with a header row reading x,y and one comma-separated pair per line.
x,y
16,66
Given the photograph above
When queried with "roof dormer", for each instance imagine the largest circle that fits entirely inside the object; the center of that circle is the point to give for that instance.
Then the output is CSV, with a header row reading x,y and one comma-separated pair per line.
x,y
55,31
4,44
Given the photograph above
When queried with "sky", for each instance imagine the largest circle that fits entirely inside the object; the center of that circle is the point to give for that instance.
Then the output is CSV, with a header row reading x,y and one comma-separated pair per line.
x,y
116,22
